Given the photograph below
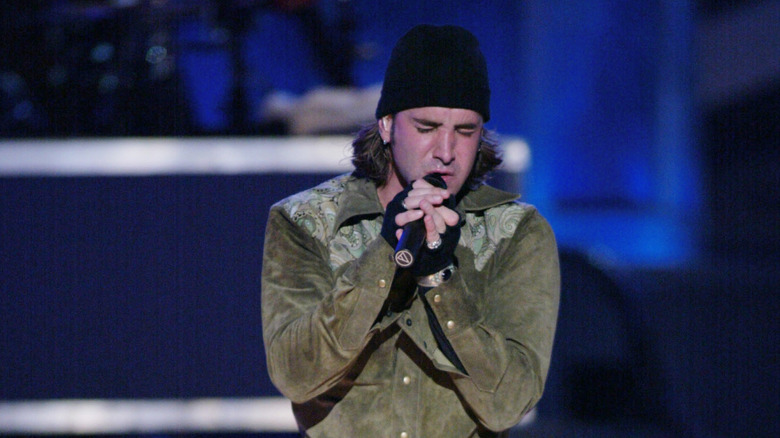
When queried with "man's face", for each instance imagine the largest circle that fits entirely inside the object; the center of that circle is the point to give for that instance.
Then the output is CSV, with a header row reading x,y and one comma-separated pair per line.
x,y
432,140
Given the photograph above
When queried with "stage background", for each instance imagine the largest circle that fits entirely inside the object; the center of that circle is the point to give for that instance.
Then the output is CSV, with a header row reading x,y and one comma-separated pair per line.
x,y
653,133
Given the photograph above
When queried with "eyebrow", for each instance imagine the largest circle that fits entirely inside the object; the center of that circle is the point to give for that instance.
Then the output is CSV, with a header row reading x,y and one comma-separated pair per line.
x,y
433,124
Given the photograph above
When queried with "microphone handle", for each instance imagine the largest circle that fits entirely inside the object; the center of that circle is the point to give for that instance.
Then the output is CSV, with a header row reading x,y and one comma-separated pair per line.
x,y
409,244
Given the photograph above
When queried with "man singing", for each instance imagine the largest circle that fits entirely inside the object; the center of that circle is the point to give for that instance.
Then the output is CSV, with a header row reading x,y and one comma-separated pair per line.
x,y
454,341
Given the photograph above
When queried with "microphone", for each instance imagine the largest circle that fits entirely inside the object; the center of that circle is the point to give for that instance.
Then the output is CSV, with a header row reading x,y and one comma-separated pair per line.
x,y
413,235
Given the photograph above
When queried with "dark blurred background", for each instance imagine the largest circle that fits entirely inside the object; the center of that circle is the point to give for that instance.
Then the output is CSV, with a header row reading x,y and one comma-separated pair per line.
x,y
654,135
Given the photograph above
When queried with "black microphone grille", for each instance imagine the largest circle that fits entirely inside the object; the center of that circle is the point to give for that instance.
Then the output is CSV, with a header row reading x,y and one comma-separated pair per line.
x,y
436,180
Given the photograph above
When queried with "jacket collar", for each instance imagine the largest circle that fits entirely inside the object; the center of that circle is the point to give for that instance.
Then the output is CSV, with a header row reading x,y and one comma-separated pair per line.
x,y
484,197
361,200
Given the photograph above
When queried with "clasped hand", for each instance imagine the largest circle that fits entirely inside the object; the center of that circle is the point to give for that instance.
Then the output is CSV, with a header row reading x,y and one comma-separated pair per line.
x,y
427,202
436,207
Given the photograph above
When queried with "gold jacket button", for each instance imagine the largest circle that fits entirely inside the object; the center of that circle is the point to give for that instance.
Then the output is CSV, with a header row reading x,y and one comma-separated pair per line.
x,y
450,324
437,298
382,283
404,435
407,380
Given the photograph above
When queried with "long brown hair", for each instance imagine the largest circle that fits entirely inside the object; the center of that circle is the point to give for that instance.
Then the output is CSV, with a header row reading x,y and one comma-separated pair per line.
x,y
372,159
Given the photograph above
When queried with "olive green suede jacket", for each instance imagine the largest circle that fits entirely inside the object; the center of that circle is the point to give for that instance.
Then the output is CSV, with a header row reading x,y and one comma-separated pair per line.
x,y
355,367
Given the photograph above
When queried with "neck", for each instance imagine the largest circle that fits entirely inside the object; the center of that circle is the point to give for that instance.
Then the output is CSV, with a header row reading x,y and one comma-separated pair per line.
x,y
387,192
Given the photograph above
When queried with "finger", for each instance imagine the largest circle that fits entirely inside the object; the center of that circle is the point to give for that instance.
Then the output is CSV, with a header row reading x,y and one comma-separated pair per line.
x,y
434,196
450,217
404,218
431,233
444,216
421,184
434,222
429,191
413,203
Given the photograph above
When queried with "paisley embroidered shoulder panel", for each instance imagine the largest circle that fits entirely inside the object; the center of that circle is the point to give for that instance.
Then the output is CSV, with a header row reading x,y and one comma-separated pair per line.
x,y
315,210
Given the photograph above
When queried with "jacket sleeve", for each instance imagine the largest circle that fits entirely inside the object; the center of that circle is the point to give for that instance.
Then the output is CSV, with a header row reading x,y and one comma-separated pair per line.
x,y
503,333
315,321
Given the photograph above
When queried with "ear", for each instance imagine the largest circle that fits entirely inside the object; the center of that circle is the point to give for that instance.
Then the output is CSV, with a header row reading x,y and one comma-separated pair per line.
x,y
385,125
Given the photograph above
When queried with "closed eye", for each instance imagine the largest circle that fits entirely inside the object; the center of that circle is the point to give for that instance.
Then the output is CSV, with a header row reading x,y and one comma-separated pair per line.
x,y
424,126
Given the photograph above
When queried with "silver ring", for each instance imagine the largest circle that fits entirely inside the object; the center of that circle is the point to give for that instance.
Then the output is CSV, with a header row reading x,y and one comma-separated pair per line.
x,y
434,245
403,204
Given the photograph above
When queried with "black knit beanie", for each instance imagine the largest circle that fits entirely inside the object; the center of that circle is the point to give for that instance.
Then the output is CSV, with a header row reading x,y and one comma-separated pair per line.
x,y
436,66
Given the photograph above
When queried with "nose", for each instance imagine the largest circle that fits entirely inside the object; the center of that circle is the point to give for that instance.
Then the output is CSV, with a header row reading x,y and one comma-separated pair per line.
x,y
445,147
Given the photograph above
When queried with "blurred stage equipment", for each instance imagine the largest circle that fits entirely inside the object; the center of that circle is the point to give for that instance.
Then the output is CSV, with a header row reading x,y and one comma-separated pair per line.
x,y
98,68
109,68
